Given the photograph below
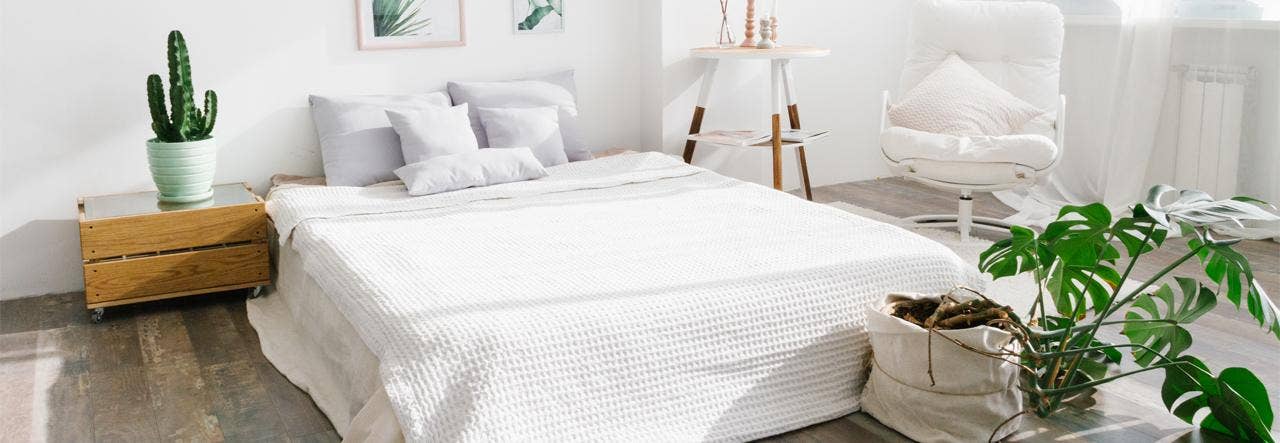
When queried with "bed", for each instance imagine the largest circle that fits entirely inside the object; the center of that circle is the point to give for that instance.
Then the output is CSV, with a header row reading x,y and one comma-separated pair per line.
x,y
632,297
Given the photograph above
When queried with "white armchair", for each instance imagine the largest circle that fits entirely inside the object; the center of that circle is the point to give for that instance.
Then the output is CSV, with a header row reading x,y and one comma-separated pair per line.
x,y
1016,45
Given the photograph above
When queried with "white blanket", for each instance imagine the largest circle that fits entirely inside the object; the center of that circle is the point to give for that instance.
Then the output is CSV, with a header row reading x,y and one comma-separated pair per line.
x,y
627,298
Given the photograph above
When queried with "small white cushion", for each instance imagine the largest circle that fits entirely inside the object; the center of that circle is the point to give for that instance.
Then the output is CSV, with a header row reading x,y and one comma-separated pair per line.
x,y
434,131
558,89
478,168
1034,151
535,128
956,99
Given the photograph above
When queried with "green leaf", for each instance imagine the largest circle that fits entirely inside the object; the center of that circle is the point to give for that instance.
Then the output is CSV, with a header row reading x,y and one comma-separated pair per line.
x,y
397,18
1011,256
1080,236
535,17
1237,401
1073,285
1232,272
1140,234
1167,336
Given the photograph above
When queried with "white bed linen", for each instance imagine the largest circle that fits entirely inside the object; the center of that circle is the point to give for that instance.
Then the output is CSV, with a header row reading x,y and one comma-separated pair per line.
x,y
628,298
309,341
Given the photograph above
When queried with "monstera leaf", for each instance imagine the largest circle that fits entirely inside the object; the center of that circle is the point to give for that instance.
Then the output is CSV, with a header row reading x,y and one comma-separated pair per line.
x,y
1012,256
1141,233
1080,237
1199,209
1163,331
1231,271
1236,399
1077,289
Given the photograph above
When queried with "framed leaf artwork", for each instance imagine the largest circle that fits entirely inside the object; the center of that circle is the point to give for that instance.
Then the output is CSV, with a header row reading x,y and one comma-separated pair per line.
x,y
538,16
399,24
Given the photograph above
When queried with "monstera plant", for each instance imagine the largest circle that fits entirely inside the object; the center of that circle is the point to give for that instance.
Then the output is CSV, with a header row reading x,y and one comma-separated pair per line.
x,y
1081,264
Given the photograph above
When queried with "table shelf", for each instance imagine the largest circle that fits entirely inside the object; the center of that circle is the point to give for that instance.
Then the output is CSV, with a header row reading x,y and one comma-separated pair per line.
x,y
765,144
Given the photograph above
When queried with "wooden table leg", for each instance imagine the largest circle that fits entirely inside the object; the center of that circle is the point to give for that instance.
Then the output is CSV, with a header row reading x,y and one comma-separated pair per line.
x,y
694,128
708,80
776,100
793,111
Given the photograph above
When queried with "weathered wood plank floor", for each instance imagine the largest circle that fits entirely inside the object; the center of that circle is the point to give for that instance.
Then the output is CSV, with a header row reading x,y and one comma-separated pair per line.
x,y
192,370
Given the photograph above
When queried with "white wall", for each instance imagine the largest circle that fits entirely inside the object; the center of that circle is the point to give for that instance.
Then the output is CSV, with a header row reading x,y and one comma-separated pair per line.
x,y
74,104
840,92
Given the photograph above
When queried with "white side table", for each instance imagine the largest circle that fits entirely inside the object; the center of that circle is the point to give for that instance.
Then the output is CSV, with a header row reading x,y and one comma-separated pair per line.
x,y
783,88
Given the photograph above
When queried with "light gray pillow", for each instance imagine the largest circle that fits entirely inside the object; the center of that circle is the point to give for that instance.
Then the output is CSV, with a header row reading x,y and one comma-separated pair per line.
x,y
432,132
535,128
552,90
484,167
357,143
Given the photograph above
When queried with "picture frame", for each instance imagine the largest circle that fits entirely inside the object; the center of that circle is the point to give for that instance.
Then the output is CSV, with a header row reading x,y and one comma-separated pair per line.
x,y
405,24
538,16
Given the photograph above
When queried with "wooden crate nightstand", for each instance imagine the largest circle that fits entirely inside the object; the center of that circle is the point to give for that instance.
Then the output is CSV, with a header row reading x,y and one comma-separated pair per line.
x,y
136,249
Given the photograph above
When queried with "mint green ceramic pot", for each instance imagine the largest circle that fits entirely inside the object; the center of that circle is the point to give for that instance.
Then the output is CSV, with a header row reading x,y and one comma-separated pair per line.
x,y
183,172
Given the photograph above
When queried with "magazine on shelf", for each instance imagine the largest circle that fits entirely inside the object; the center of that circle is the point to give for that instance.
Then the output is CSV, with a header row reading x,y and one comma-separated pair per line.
x,y
799,135
735,138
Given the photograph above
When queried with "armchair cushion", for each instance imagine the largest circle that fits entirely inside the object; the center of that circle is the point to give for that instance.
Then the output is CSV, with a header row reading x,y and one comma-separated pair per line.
x,y
1017,45
1033,151
956,99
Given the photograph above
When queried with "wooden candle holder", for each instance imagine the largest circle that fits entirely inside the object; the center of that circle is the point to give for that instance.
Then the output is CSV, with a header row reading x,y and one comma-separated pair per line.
x,y
749,39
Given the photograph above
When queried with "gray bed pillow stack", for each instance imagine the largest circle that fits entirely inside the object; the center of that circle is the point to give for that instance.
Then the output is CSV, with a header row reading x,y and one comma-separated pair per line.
x,y
556,90
357,143
360,147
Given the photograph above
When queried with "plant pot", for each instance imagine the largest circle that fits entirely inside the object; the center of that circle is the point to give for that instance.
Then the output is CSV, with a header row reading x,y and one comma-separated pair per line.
x,y
183,172
966,399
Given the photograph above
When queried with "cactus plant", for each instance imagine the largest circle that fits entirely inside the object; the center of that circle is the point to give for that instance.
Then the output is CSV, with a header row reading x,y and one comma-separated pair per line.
x,y
182,121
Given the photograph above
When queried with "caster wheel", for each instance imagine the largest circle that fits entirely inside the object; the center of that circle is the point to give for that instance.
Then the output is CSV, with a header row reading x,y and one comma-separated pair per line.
x,y
255,292
96,315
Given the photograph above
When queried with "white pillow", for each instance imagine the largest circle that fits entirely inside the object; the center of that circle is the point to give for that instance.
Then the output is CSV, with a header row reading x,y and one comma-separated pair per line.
x,y
535,128
483,167
357,143
556,90
433,131
956,99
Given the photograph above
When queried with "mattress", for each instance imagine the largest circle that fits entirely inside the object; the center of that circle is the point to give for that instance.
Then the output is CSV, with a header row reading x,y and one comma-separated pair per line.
x,y
626,298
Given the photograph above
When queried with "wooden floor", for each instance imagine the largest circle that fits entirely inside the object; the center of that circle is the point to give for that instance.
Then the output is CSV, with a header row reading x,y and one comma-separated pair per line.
x,y
192,370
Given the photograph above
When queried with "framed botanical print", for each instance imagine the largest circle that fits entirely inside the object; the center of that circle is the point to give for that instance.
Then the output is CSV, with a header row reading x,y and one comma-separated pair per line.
x,y
538,16
399,24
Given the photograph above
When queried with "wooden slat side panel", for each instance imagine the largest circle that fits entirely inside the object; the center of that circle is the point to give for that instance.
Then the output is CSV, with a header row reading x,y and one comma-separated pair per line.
x,y
163,274
124,236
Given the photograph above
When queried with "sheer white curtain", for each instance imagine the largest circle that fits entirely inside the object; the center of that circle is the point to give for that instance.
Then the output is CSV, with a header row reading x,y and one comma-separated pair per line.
x,y
1114,101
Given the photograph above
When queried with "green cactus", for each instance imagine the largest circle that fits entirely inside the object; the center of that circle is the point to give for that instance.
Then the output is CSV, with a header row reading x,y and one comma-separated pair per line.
x,y
182,121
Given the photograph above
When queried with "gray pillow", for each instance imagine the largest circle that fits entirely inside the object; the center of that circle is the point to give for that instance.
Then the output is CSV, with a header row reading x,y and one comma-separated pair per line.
x,y
469,170
357,143
433,132
553,90
535,128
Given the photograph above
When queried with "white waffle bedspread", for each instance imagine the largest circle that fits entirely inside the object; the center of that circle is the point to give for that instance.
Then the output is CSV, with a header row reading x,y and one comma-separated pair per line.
x,y
630,298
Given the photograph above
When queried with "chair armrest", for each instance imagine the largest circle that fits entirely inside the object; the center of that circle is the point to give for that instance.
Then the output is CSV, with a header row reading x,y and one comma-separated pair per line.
x,y
1060,124
884,110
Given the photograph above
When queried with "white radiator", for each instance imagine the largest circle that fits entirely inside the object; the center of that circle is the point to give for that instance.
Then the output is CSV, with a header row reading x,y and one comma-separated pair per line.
x,y
1210,118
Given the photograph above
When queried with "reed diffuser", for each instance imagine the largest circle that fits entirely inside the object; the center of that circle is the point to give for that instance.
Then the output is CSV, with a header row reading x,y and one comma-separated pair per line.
x,y
725,40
